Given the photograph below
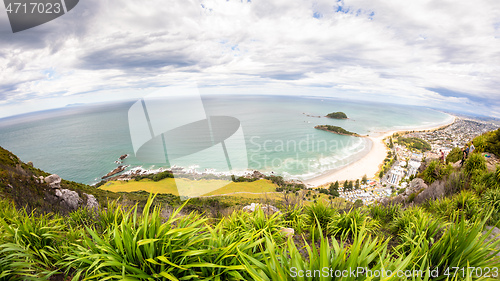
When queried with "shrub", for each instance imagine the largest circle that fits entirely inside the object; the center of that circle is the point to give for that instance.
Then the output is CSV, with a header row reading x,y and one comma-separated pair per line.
x,y
467,206
441,208
493,142
347,225
475,164
415,225
162,175
294,218
364,252
411,197
385,214
435,171
242,222
480,142
455,182
142,247
455,155
32,245
319,213
82,217
491,200
405,219
497,174
461,246
112,215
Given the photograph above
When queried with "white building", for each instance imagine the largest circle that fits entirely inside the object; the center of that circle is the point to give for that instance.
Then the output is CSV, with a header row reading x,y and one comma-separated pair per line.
x,y
396,174
413,166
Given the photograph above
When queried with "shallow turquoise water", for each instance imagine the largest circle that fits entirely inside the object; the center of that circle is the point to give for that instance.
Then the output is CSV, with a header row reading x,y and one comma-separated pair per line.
x,y
82,143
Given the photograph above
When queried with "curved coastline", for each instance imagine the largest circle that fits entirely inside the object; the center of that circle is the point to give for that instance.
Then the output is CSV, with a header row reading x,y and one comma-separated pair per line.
x,y
370,163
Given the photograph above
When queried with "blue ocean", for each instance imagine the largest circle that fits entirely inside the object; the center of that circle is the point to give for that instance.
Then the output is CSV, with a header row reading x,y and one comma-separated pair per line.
x,y
82,143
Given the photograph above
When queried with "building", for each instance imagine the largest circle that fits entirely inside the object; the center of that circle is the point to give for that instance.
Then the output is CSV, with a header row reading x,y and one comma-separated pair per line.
x,y
396,174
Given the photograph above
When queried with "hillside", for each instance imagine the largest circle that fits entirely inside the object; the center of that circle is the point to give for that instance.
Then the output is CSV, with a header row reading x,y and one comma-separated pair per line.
x,y
446,220
25,185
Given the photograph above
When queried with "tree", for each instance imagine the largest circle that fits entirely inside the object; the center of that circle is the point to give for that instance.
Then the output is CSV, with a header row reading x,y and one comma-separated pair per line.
x,y
381,174
350,185
345,185
364,180
334,189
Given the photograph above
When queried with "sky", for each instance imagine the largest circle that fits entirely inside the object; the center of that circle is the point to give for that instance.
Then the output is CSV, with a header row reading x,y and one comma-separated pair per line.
x,y
443,54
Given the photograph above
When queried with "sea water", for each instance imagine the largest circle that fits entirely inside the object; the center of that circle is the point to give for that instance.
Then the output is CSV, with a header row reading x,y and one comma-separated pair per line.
x,y
82,143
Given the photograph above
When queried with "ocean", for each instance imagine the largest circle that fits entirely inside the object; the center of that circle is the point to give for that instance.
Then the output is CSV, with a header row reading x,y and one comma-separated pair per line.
x,y
82,143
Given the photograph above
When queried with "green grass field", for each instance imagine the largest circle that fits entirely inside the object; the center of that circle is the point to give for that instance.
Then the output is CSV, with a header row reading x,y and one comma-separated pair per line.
x,y
168,186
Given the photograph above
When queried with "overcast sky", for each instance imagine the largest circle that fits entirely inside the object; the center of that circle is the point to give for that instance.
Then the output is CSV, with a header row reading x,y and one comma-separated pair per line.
x,y
434,53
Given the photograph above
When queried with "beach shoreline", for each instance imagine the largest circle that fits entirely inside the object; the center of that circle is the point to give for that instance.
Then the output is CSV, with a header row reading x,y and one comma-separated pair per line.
x,y
369,164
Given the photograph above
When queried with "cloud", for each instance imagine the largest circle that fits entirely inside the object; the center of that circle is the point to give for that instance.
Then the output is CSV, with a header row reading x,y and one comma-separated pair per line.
x,y
443,53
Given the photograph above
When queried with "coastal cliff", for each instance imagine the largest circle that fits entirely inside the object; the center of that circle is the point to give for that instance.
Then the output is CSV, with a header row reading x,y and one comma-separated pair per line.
x,y
33,189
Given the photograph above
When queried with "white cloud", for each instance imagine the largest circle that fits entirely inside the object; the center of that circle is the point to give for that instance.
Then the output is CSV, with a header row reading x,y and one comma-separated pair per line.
x,y
404,51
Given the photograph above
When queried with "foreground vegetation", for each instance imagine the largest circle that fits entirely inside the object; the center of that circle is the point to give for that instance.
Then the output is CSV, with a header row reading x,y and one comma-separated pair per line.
x,y
121,243
448,234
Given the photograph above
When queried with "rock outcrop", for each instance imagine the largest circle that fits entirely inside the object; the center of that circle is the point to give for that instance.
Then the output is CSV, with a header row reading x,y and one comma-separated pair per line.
x,y
119,169
415,186
491,161
287,232
433,192
92,203
69,199
54,181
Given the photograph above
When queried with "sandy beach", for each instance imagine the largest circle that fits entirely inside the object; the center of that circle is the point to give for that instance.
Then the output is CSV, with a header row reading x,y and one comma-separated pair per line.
x,y
368,165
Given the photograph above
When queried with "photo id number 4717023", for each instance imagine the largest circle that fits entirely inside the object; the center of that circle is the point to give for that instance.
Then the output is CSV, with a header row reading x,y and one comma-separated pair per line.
x,y
34,8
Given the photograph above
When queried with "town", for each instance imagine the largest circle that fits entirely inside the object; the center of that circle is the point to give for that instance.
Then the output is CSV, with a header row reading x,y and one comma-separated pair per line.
x,y
407,151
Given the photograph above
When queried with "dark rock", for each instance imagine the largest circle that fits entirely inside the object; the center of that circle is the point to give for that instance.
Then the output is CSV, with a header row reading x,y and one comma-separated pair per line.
x,y
257,175
123,156
119,169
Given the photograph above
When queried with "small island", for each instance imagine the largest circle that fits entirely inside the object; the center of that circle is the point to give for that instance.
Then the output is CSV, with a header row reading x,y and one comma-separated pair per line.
x,y
336,130
337,115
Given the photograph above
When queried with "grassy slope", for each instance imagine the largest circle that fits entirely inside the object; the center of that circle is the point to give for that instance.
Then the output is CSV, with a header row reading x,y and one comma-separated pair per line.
x,y
168,186
17,184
